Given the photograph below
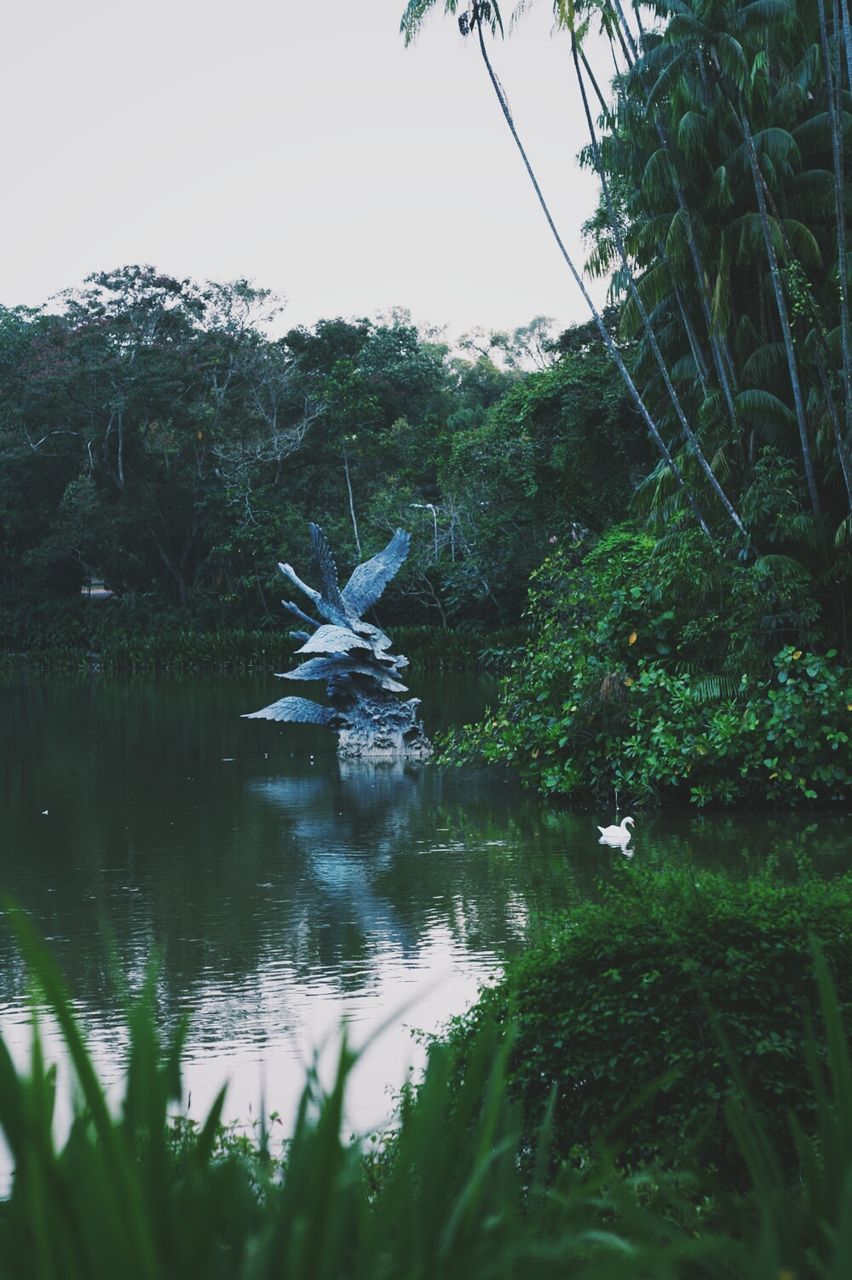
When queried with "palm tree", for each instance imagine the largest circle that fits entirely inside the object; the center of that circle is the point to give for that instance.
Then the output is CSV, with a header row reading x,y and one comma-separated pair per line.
x,y
723,156
474,19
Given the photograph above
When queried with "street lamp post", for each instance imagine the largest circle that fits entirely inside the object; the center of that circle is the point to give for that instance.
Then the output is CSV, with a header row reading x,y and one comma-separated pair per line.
x,y
430,506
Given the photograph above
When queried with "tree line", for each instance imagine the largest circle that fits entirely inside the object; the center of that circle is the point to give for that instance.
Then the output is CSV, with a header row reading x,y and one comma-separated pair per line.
x,y
154,434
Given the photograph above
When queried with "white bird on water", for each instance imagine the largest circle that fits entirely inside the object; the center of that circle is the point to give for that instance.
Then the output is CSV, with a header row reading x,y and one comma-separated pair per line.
x,y
617,836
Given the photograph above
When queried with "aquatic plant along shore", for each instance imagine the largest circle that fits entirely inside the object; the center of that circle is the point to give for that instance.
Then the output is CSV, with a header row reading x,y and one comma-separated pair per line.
x,y
454,1188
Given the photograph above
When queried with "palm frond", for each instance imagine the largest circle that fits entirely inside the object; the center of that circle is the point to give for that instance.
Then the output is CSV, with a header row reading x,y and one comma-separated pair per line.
x,y
803,243
843,532
765,364
656,176
719,193
712,410
716,688
684,369
781,568
732,59
414,14
760,14
771,418
692,132
778,144
804,528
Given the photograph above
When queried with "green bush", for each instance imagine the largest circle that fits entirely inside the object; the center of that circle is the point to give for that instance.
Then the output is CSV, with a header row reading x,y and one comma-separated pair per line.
x,y
638,995
623,691
583,732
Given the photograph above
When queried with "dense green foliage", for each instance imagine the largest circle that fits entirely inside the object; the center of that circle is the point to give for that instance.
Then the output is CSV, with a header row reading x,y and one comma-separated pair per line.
x,y
154,434
637,1096
723,150
451,1192
638,1016
656,674
724,167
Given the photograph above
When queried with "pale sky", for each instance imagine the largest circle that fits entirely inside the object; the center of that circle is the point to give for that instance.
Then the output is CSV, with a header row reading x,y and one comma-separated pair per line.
x,y
297,143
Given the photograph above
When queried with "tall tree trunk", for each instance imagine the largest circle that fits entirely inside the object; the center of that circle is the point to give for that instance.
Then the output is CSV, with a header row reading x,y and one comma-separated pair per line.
x,y
606,337
691,336
722,360
691,438
120,460
847,40
718,345
832,71
625,32
351,502
175,570
783,316
689,328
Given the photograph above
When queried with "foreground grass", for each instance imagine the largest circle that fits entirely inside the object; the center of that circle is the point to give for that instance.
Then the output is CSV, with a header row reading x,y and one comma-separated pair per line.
x,y
459,1191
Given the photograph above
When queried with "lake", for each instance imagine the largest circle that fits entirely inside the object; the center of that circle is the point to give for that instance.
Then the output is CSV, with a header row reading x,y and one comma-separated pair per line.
x,y
286,893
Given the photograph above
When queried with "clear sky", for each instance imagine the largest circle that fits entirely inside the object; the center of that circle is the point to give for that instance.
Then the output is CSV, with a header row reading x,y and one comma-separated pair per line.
x,y
294,142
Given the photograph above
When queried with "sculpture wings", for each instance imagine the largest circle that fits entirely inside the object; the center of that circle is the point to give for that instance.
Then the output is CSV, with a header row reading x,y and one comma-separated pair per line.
x,y
324,560
335,640
346,608
370,579
338,667
295,711
351,655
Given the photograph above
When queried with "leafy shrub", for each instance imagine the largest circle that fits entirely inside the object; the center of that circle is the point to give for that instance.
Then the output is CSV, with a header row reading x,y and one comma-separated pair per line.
x,y
622,690
638,990
584,732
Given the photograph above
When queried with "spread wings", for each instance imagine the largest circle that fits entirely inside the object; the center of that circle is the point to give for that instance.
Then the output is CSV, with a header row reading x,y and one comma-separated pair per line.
x,y
295,711
324,560
369,580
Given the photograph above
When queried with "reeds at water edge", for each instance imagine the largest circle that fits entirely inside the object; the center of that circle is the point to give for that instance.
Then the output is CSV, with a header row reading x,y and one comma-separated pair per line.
x,y
454,1190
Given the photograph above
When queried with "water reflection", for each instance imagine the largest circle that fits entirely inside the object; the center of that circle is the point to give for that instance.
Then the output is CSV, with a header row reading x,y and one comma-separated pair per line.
x,y
285,890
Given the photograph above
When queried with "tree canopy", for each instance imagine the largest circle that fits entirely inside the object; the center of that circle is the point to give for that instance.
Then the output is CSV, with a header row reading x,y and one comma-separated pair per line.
x,y
156,433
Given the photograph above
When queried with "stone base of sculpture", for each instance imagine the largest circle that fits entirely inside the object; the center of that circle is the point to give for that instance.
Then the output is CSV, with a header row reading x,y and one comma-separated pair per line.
x,y
383,731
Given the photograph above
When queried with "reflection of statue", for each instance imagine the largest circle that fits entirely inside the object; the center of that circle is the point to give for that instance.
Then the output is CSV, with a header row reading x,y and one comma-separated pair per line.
x,y
352,656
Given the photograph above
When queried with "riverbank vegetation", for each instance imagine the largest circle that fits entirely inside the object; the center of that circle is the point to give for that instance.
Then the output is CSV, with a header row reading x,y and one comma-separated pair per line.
x,y
519,1152
651,677
723,155
641,1013
120,640
661,1084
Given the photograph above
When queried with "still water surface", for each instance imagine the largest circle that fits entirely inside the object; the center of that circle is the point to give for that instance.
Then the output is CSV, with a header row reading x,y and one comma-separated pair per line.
x,y
286,892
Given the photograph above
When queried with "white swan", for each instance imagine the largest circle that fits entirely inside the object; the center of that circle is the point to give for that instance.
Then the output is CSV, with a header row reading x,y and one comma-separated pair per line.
x,y
616,835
